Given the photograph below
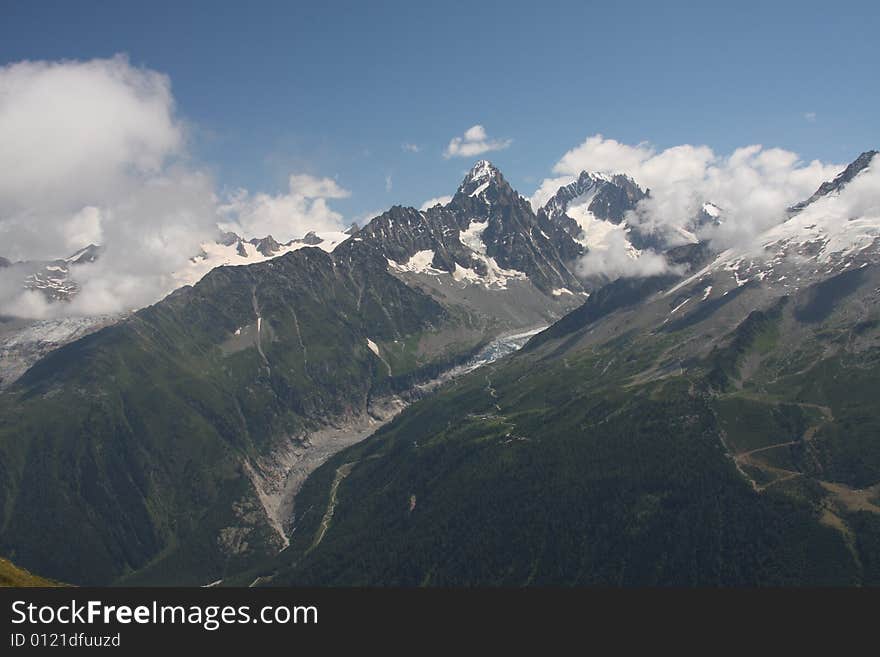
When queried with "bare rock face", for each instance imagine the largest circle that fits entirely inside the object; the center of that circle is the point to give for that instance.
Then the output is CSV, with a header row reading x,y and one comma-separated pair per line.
x,y
312,239
267,245
852,170
487,231
610,197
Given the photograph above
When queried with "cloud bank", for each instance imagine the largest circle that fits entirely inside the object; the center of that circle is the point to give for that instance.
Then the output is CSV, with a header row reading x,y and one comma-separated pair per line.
x,y
285,216
617,260
73,135
754,185
474,142
93,152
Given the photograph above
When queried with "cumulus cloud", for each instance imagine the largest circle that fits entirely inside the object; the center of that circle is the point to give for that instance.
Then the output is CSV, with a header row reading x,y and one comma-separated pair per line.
x,y
364,218
411,148
147,237
285,216
859,198
431,202
83,228
617,259
475,141
810,116
547,189
73,134
754,185
93,152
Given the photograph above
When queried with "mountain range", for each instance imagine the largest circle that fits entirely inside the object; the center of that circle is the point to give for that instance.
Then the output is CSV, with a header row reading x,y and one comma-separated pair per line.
x,y
346,409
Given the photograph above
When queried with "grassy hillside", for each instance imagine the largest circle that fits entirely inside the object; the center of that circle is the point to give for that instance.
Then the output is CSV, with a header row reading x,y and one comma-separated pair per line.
x,y
134,441
12,575
737,447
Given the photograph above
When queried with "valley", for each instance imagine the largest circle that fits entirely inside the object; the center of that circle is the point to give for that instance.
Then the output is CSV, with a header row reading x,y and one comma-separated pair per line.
x,y
446,398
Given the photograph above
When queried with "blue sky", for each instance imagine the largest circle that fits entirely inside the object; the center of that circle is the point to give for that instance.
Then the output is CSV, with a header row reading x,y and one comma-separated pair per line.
x,y
335,89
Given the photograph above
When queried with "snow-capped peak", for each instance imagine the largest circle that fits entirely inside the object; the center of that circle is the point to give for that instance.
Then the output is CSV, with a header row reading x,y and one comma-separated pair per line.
x,y
857,166
587,185
85,255
481,176
835,230
481,171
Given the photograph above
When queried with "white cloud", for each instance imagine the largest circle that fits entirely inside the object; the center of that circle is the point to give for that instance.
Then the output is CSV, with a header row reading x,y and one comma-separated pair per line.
x,y
547,189
389,183
364,218
431,202
753,184
411,148
94,153
147,237
810,116
475,141
83,228
309,186
285,216
859,198
616,259
73,135
88,156
148,232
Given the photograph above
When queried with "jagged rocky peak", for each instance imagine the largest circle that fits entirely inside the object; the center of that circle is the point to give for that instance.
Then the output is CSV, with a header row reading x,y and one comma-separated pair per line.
x,y
481,171
311,238
401,232
484,180
228,238
53,278
585,207
841,180
353,229
488,235
85,255
267,245
605,196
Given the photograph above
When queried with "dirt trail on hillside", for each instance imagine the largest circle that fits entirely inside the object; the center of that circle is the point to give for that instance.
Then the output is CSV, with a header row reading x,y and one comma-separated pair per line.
x,y
746,458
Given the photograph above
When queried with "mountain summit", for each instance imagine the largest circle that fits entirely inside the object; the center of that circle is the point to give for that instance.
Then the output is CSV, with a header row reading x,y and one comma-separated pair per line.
x,y
481,176
487,235
840,181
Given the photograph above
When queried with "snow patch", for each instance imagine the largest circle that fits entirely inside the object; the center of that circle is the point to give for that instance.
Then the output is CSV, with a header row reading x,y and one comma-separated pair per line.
x,y
472,238
419,263
496,276
482,169
712,210
479,190
215,255
594,231
672,312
